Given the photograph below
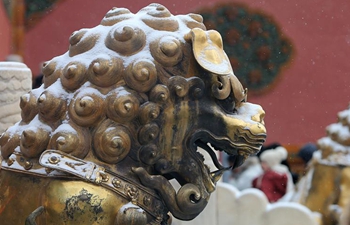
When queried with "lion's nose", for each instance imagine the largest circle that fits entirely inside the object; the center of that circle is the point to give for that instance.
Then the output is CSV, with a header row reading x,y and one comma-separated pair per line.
x,y
259,116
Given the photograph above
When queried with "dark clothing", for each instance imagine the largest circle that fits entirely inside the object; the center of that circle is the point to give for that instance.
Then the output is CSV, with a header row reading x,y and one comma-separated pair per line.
x,y
306,152
273,184
38,81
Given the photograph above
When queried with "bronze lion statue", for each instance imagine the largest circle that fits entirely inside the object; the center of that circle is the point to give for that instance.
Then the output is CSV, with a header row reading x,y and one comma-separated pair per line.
x,y
118,116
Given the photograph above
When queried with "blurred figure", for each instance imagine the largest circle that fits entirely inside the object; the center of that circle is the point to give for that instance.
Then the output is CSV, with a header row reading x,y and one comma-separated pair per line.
x,y
243,176
295,176
38,80
306,152
276,181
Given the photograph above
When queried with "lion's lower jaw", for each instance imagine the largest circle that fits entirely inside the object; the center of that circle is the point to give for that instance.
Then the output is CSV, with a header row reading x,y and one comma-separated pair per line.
x,y
186,204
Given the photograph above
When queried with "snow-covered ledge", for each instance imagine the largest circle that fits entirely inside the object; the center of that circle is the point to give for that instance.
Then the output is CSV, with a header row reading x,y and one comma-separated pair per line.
x,y
229,206
15,81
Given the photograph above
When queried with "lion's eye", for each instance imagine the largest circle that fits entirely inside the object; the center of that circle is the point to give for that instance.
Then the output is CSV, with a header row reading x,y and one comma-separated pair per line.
x,y
228,104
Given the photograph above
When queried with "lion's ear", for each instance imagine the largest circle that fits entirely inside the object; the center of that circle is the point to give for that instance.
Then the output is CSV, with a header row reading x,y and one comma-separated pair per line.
x,y
209,53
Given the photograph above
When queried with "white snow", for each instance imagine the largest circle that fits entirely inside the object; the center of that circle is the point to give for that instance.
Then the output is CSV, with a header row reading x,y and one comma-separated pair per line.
x,y
130,205
64,127
342,131
345,114
34,125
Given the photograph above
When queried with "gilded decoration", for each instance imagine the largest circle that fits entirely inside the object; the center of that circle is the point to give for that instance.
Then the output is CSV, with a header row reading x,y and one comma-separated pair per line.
x,y
118,116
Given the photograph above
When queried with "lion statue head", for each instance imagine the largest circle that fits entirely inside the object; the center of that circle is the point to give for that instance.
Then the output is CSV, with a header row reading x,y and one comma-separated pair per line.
x,y
125,109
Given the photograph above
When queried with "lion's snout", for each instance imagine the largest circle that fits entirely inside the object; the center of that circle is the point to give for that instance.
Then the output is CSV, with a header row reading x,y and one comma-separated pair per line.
x,y
249,124
254,112
259,116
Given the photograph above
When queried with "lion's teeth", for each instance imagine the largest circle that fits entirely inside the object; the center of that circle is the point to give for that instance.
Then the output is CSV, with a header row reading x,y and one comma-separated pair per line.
x,y
216,175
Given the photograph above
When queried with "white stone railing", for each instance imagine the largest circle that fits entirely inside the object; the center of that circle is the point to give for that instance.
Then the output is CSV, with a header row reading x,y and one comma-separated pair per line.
x,y
15,80
229,206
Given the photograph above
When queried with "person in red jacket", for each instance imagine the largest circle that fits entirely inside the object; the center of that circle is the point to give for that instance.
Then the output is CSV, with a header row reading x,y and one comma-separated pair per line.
x,y
275,182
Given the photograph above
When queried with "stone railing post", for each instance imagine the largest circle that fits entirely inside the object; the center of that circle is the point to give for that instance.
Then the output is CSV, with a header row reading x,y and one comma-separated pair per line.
x,y
15,80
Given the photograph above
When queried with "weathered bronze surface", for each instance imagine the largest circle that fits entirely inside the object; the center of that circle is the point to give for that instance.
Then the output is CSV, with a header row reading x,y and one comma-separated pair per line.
x,y
118,116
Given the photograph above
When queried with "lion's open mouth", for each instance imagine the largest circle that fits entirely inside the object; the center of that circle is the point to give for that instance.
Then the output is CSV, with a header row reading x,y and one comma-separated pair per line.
x,y
240,150
216,174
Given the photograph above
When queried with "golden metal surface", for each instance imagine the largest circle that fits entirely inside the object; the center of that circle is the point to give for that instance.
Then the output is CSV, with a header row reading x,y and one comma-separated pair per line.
x,y
330,187
324,190
121,114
